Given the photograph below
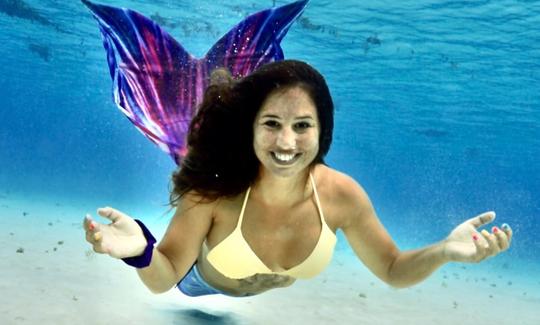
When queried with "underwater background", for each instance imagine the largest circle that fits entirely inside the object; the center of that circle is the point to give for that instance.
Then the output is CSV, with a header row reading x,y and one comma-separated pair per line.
x,y
437,113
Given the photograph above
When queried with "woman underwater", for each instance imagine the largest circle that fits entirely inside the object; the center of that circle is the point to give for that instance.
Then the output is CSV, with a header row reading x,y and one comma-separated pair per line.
x,y
257,208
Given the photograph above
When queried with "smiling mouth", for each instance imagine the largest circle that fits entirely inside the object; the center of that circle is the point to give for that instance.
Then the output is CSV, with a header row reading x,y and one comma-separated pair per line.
x,y
285,159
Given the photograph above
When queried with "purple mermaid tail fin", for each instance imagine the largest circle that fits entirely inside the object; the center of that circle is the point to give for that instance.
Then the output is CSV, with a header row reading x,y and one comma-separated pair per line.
x,y
157,84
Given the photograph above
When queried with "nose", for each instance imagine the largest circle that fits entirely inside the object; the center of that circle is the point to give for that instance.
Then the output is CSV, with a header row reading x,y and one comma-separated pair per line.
x,y
286,139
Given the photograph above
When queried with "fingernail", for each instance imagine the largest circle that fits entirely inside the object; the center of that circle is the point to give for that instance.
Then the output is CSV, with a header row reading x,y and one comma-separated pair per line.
x,y
474,237
91,226
495,230
505,226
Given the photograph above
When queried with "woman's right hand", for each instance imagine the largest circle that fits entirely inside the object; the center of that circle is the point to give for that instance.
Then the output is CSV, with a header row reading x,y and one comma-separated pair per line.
x,y
121,238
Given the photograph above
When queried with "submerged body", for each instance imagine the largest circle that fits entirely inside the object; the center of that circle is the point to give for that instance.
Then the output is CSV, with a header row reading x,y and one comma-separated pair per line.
x,y
291,237
282,225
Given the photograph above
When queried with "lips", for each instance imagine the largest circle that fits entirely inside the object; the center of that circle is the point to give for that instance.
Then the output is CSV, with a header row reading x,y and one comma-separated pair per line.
x,y
284,159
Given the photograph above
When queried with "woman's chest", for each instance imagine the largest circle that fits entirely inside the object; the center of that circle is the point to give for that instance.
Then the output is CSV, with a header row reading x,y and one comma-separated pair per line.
x,y
280,238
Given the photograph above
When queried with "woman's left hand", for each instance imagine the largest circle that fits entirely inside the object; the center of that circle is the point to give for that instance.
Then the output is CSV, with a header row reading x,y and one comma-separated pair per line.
x,y
466,244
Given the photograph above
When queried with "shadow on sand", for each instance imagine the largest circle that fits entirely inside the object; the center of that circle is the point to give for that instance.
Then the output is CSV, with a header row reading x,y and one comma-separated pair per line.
x,y
199,317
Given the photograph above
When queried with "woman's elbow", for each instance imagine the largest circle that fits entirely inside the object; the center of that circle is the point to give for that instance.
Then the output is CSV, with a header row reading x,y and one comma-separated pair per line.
x,y
393,282
394,278
398,284
158,289
399,281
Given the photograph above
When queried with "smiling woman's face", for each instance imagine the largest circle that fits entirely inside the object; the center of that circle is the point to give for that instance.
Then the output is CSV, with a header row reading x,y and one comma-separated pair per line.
x,y
286,132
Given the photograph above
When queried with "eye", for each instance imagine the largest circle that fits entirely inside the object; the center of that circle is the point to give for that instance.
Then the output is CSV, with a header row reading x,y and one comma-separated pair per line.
x,y
302,125
271,124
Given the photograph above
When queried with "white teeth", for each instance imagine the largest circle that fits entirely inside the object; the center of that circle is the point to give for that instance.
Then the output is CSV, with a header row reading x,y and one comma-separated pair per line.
x,y
284,157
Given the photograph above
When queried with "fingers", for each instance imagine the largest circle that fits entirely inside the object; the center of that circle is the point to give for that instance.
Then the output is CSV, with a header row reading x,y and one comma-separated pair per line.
x,y
480,248
504,237
110,213
508,231
92,230
482,219
490,244
94,235
498,240
88,223
492,248
95,232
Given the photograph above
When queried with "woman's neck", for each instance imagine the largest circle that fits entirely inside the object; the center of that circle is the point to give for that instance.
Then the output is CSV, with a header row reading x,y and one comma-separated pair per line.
x,y
279,191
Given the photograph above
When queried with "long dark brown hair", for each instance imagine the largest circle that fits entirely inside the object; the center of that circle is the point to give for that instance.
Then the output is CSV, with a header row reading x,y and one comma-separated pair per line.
x,y
221,161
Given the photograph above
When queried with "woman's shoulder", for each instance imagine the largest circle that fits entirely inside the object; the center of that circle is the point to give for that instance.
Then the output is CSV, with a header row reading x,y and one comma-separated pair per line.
x,y
339,183
342,193
198,203
193,202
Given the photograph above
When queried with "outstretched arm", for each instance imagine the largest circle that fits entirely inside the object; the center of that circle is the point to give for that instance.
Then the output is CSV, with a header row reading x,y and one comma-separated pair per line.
x,y
123,238
174,255
374,246
464,244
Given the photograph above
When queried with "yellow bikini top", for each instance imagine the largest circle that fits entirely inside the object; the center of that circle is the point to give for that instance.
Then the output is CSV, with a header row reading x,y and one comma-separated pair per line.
x,y
233,257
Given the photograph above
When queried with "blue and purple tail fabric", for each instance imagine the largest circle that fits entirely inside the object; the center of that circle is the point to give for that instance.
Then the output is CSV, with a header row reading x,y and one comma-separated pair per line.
x,y
157,84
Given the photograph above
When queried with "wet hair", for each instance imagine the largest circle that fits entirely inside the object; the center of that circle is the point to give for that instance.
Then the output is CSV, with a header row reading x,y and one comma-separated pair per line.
x,y
221,160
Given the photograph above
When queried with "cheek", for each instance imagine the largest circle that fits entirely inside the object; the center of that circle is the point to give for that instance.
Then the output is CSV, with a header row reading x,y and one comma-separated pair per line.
x,y
310,141
314,146
262,139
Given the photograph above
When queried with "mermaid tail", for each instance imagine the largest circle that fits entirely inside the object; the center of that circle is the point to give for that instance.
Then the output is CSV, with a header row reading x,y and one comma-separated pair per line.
x,y
157,84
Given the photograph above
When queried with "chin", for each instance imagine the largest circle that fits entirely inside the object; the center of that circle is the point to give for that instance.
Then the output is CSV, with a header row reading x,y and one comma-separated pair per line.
x,y
286,173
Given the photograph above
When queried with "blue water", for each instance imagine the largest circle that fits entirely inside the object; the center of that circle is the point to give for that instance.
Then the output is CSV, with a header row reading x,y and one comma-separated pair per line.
x,y
437,108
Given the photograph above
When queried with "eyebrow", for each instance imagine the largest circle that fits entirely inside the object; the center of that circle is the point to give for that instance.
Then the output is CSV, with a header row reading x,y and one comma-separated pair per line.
x,y
296,118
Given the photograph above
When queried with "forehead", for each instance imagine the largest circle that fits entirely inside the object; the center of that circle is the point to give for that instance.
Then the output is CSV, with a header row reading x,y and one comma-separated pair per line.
x,y
289,101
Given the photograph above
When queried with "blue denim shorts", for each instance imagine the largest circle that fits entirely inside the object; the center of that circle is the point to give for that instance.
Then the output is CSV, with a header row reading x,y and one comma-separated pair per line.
x,y
194,285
